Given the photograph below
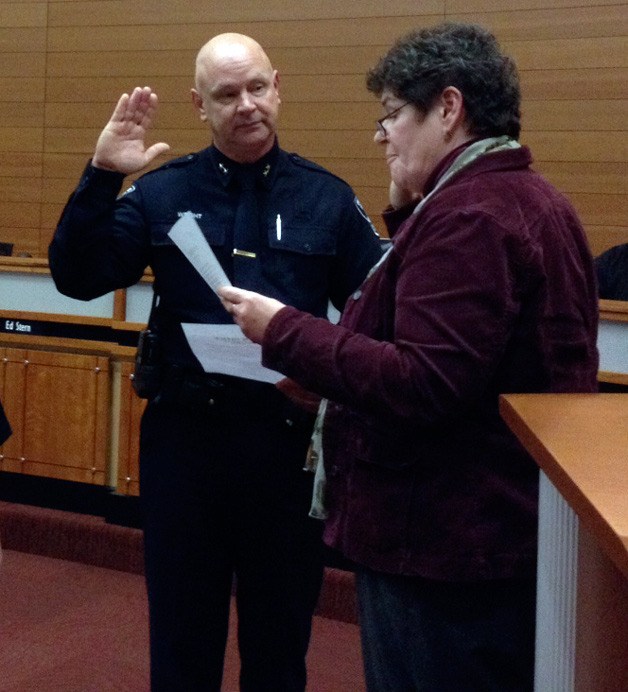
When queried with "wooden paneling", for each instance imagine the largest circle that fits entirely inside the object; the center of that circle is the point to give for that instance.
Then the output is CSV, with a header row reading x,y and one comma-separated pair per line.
x,y
163,41
58,407
21,165
14,404
603,237
22,14
555,55
602,611
490,5
605,210
550,22
21,65
22,90
59,400
63,65
600,115
131,409
19,189
574,146
120,12
574,83
20,215
17,40
585,176
16,115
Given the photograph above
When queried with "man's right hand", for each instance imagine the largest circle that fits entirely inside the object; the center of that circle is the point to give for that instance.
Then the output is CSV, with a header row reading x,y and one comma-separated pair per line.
x,y
121,146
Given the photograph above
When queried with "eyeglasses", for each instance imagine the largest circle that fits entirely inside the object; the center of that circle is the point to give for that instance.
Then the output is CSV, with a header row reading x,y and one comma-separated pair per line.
x,y
379,124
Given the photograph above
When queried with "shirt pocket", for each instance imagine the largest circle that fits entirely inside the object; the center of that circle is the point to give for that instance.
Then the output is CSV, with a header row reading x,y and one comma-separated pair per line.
x,y
297,260
182,288
302,239
169,261
214,234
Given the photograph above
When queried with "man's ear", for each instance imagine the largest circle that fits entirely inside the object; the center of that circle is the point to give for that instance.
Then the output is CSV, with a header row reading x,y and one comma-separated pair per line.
x,y
276,84
197,100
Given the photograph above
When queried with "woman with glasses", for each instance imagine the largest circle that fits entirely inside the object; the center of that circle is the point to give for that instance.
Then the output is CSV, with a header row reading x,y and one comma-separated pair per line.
x,y
488,288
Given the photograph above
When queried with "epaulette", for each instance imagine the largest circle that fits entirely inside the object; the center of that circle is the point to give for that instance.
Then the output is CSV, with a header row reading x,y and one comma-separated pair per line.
x,y
174,163
311,166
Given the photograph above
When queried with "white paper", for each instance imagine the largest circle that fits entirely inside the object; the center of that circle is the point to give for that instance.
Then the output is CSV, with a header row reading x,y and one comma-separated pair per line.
x,y
219,348
222,348
186,234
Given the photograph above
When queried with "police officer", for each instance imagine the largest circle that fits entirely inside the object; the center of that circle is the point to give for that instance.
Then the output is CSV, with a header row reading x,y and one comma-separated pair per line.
x,y
224,493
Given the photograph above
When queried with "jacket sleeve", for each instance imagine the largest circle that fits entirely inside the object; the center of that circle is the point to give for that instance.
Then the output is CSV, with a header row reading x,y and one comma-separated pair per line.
x,y
438,335
394,218
100,241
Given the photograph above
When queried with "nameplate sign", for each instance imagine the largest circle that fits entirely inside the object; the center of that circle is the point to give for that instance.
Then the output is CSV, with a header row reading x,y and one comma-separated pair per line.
x,y
66,330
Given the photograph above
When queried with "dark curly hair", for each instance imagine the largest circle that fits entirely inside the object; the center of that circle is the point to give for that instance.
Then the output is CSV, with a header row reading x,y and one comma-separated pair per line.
x,y
420,65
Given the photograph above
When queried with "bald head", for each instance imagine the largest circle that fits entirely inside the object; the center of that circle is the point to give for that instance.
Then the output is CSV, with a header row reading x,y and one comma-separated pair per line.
x,y
237,94
226,49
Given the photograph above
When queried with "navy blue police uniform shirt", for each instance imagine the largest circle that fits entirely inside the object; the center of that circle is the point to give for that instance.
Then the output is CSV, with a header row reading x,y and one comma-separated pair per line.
x,y
105,241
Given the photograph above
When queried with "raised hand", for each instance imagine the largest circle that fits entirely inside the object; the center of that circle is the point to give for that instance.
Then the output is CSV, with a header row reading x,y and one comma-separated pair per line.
x,y
121,146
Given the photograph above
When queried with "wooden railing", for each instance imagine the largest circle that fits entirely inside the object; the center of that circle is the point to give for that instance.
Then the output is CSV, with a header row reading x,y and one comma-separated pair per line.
x,y
70,402
65,385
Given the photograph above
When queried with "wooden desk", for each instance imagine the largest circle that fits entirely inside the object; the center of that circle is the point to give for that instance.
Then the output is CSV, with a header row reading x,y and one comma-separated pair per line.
x,y
580,442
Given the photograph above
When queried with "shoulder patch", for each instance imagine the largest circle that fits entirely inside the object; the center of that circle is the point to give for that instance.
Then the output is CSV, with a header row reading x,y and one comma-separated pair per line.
x,y
362,211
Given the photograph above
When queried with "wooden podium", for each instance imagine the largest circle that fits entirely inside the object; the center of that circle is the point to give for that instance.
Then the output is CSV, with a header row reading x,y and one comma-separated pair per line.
x,y
580,442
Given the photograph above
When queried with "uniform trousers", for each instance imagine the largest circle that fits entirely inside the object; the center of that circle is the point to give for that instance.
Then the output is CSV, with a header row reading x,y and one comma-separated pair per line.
x,y
225,502
420,635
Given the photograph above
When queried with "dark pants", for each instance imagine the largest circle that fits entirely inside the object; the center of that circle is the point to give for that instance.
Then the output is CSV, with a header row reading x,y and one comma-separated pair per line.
x,y
425,636
224,497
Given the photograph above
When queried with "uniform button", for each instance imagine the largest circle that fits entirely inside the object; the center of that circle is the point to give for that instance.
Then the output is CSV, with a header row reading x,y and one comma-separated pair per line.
x,y
357,295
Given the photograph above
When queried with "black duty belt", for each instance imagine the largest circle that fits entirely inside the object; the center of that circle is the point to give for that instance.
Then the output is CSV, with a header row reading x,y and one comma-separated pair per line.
x,y
222,393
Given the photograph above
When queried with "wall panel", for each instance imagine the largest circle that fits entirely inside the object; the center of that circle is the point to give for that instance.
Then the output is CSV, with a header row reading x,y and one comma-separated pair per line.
x,y
21,164
192,11
579,84
550,23
600,115
22,40
23,14
477,6
63,65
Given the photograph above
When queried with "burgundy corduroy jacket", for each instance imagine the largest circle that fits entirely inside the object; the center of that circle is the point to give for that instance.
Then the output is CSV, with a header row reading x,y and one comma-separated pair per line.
x,y
489,289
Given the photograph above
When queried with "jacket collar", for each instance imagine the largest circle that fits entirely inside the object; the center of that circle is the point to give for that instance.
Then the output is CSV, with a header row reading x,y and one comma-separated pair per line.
x,y
226,169
512,158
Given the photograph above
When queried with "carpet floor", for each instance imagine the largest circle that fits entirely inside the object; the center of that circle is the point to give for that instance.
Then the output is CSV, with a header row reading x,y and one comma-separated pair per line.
x,y
74,624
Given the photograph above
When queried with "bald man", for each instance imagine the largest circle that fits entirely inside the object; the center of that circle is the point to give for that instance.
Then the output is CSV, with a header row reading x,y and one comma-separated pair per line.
x,y
223,490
